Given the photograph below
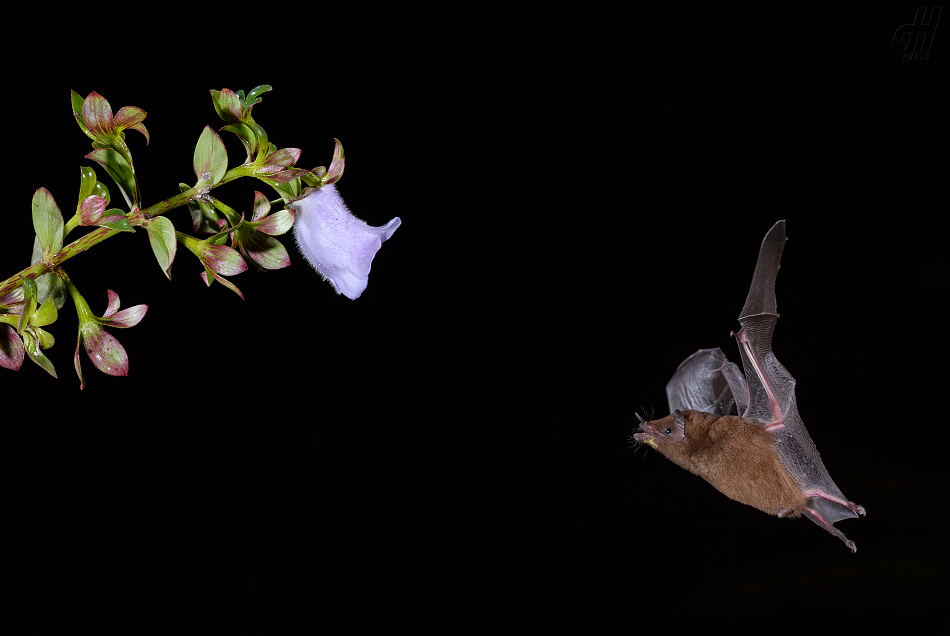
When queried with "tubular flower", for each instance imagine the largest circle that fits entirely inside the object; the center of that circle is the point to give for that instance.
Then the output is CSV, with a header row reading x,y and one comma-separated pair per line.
x,y
338,245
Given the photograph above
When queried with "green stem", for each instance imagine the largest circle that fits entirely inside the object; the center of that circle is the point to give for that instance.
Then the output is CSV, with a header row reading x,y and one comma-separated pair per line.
x,y
100,234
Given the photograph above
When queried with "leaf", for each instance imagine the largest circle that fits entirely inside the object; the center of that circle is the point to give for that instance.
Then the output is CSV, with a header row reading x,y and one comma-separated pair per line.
x,y
211,159
45,315
120,171
277,223
11,348
223,259
49,286
161,234
87,183
97,113
33,350
103,191
336,167
91,209
47,222
253,96
246,135
287,191
104,350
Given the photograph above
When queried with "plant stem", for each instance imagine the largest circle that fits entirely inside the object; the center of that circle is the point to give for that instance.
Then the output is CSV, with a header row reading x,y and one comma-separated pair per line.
x,y
100,234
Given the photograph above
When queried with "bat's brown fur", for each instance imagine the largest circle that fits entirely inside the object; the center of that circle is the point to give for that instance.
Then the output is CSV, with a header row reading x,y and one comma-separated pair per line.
x,y
736,456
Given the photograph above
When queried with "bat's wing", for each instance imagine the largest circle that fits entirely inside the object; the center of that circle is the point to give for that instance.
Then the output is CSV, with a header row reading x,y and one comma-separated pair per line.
x,y
706,381
771,397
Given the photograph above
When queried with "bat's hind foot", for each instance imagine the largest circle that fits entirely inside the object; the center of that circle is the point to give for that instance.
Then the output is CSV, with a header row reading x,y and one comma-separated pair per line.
x,y
850,505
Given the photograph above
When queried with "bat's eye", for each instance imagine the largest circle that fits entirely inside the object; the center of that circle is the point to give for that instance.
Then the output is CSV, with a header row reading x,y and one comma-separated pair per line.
x,y
668,431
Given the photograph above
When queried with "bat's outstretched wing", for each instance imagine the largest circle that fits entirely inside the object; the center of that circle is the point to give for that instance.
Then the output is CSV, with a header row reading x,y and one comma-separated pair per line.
x,y
771,394
706,381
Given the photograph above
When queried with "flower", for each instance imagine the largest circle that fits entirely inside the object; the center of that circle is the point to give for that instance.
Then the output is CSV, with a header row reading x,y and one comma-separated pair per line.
x,y
338,245
105,351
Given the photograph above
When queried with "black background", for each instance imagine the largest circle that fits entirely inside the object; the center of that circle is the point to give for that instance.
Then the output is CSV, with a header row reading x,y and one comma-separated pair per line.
x,y
583,197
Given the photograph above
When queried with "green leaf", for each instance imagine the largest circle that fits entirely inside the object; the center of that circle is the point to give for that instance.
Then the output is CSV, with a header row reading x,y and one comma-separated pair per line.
x,y
49,286
211,159
246,135
287,191
253,96
161,234
87,183
33,350
47,222
203,217
45,315
77,101
103,191
29,296
120,224
120,171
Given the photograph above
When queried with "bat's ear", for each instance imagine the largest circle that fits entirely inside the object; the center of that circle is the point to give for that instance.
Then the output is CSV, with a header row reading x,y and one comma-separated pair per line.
x,y
680,420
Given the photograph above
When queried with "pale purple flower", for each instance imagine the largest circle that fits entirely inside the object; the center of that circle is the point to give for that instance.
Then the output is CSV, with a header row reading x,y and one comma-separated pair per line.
x,y
340,246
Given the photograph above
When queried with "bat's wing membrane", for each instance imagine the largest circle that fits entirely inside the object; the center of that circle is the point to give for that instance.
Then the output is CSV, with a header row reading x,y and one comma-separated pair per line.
x,y
707,381
771,392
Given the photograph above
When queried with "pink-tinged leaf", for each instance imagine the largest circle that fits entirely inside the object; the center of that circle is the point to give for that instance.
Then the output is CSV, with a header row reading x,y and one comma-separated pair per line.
x,y
223,259
113,305
127,317
228,105
261,206
141,128
220,279
266,251
77,364
336,168
106,353
228,284
91,209
276,224
286,175
282,158
128,116
97,114
11,348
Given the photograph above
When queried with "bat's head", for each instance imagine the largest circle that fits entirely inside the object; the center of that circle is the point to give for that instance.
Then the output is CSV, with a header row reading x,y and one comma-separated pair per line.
x,y
675,434
663,433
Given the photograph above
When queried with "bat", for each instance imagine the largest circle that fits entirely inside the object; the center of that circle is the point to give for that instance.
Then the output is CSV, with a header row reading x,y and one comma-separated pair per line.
x,y
741,432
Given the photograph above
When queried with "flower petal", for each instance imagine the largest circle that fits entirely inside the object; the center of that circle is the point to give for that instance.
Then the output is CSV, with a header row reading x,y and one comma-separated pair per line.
x,y
338,245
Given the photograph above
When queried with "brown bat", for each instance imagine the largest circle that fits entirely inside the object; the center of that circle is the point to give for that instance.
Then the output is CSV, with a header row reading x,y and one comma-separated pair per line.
x,y
763,457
